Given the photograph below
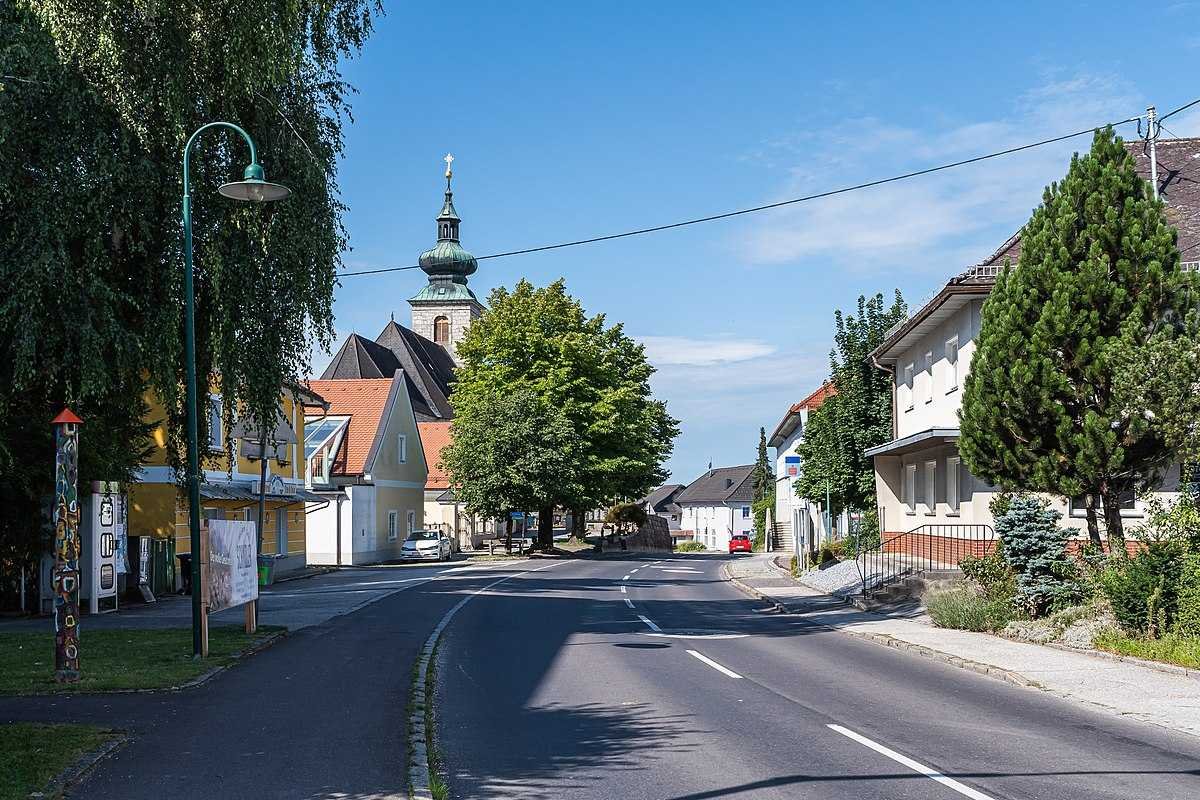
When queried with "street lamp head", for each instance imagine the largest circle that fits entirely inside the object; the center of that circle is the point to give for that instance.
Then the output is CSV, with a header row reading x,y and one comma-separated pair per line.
x,y
252,188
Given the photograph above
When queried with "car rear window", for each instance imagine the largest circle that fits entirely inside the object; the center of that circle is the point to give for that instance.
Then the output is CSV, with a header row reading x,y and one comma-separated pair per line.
x,y
741,536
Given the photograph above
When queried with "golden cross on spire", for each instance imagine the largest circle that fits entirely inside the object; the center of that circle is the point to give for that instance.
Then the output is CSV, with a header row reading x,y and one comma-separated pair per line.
x,y
449,159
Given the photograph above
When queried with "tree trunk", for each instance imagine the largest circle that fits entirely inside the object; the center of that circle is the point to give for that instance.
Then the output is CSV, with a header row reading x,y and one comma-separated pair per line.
x,y
508,534
577,529
1093,524
546,528
1110,496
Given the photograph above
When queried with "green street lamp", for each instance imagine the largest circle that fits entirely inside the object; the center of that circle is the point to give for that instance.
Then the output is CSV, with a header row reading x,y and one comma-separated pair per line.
x,y
255,189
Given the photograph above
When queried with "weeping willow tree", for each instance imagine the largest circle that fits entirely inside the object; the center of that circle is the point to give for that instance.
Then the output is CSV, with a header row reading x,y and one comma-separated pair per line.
x,y
97,98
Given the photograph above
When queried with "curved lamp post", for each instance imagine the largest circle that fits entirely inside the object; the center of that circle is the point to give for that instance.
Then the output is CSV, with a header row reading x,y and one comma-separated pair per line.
x,y
255,189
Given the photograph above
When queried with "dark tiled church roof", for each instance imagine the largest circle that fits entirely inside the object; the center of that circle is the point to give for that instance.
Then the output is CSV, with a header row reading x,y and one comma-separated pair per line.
x,y
428,369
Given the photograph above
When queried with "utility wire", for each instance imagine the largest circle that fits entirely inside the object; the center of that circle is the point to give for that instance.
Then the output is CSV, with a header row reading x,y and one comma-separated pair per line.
x,y
1181,108
782,203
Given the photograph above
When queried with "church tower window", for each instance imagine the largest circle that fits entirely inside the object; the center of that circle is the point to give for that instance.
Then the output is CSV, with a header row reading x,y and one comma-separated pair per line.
x,y
441,330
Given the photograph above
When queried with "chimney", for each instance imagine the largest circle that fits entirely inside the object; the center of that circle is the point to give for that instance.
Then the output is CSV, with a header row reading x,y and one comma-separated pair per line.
x,y
728,482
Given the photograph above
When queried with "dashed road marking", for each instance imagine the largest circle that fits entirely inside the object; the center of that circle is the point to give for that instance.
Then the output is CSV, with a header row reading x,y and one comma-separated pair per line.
x,y
623,590
721,669
628,602
650,623
915,766
625,578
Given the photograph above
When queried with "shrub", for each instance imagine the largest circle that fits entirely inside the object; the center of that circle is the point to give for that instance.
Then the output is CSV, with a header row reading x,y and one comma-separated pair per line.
x,y
1172,648
964,608
689,547
1143,589
1036,549
864,536
1188,620
1178,522
837,549
826,554
795,567
992,574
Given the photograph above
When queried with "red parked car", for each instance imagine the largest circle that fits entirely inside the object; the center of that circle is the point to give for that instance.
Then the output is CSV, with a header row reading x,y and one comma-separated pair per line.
x,y
740,542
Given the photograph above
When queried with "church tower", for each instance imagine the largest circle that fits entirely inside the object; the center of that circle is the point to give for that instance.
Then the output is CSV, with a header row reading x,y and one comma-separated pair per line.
x,y
444,308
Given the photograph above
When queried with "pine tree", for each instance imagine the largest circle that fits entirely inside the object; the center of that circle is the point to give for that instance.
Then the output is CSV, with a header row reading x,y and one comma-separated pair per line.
x,y
1045,407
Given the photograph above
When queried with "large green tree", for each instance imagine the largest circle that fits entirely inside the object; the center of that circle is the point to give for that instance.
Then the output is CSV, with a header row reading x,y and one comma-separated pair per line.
x,y
593,374
857,416
97,98
1048,405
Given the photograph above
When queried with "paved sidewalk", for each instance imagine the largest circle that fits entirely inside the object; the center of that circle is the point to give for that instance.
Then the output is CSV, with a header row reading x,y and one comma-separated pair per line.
x,y
1121,687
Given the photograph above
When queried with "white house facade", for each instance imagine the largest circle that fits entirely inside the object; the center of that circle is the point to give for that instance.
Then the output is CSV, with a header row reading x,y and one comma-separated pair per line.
x,y
794,515
717,506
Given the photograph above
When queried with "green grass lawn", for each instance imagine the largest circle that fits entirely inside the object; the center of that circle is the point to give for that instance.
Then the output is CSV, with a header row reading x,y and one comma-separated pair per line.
x,y
32,753
118,659
1181,650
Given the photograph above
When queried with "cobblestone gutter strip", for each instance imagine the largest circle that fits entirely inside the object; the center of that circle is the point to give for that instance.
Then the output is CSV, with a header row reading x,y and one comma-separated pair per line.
x,y
422,760
72,775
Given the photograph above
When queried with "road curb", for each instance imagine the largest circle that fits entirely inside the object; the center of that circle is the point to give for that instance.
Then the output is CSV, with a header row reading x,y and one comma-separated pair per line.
x,y
887,640
76,772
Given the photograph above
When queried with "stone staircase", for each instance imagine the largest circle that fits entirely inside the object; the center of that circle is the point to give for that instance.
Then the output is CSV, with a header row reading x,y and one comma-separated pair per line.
x,y
908,592
781,537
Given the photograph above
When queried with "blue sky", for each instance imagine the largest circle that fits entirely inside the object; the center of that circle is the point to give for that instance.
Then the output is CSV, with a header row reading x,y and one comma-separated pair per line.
x,y
572,120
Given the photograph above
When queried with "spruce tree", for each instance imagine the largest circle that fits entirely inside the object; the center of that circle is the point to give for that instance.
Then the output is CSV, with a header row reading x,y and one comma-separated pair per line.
x,y
1097,282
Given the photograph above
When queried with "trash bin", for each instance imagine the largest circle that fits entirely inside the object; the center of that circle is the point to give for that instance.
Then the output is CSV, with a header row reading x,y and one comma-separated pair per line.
x,y
185,571
266,570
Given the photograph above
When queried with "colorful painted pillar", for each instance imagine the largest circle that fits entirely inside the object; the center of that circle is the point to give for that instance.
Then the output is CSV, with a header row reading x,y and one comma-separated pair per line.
x,y
66,547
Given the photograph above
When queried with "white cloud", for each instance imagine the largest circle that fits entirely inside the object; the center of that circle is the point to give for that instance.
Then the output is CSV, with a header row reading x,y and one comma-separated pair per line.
x,y
663,351
927,223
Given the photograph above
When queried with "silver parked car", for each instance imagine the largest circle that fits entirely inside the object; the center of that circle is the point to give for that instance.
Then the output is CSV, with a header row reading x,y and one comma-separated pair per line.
x,y
426,546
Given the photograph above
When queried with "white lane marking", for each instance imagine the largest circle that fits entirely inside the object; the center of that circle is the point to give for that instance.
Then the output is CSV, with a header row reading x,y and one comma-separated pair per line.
x,y
644,565
623,590
671,569
714,665
635,569
913,765
625,578
628,602
649,623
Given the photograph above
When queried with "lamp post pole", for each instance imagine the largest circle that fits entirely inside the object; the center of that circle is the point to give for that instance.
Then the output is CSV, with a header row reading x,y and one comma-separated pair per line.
x,y
253,188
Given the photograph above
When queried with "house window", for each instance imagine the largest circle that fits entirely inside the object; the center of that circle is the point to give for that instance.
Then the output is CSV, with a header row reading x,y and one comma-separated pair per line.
x,y
281,532
1078,505
952,365
930,486
907,387
927,378
412,521
216,416
441,330
745,512
402,449
393,524
909,490
952,483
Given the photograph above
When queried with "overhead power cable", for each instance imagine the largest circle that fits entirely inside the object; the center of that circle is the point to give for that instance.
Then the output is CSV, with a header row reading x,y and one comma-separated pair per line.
x,y
806,198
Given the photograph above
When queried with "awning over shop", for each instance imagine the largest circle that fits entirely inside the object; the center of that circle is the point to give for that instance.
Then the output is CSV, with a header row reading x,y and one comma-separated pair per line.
x,y
916,441
233,491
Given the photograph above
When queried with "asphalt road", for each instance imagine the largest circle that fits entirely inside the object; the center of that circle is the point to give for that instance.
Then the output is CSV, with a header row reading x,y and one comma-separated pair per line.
x,y
320,715
654,678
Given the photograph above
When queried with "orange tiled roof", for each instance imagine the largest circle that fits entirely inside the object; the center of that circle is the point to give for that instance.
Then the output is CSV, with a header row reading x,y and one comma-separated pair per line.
x,y
363,400
435,436
814,400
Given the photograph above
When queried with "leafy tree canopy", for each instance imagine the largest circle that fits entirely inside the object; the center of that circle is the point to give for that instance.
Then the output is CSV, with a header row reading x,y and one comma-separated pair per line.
x,y
594,375
97,100
858,416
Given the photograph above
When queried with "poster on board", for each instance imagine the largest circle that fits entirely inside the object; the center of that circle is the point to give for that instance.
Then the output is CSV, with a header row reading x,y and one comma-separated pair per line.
x,y
232,564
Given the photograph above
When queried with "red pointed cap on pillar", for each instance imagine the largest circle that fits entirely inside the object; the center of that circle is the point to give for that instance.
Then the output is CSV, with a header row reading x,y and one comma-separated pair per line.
x,y
65,417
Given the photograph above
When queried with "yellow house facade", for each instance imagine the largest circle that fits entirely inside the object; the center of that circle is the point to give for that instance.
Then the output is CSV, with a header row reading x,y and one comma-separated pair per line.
x,y
158,508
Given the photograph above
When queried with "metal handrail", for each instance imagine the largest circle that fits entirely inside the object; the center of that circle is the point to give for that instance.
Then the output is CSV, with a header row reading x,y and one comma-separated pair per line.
x,y
923,549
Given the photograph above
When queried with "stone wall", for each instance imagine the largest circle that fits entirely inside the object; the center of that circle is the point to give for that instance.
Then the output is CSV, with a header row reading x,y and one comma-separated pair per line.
x,y
654,535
